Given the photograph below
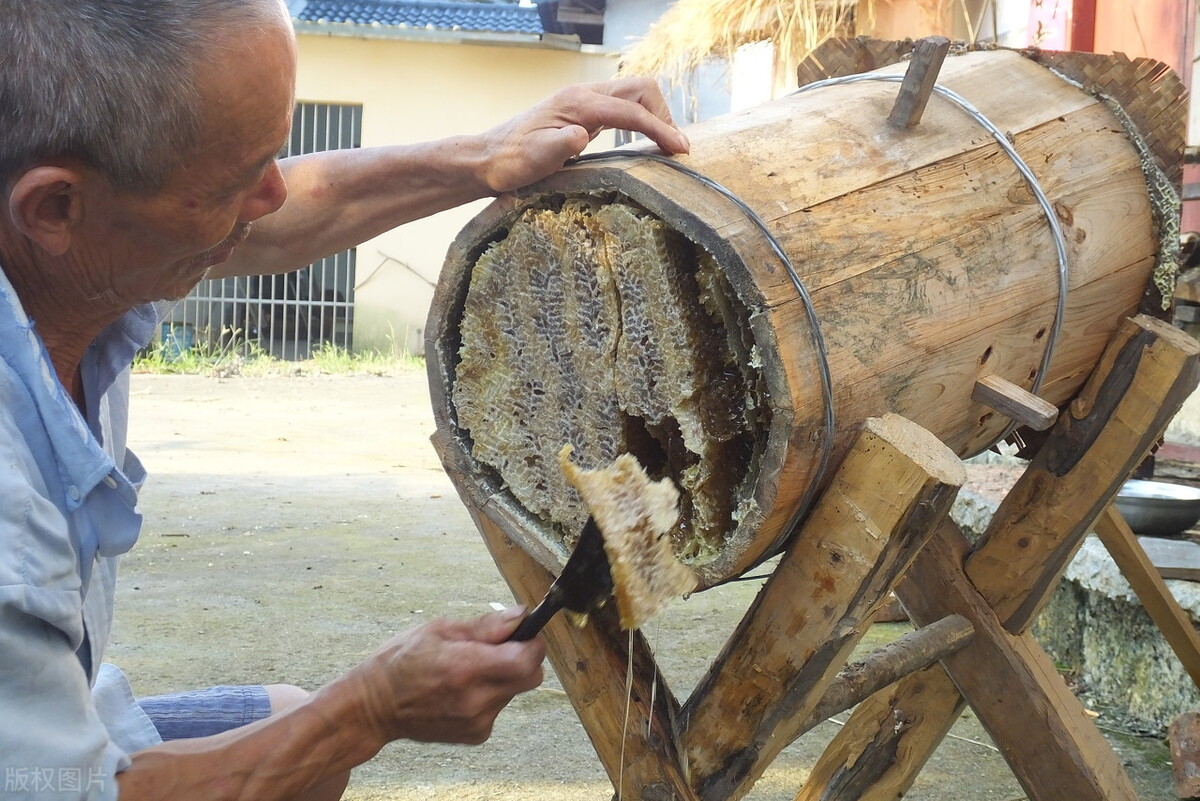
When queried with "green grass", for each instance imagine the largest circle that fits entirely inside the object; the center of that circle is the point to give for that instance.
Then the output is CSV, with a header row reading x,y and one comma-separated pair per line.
x,y
329,358
248,358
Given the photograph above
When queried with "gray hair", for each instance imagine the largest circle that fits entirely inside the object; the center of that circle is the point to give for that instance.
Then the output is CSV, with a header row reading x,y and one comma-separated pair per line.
x,y
110,82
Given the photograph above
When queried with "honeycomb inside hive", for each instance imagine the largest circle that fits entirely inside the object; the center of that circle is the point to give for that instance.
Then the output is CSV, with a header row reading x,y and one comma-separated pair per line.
x,y
593,323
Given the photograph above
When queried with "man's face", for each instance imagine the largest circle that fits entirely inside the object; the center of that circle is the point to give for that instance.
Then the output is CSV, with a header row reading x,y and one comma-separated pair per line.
x,y
159,245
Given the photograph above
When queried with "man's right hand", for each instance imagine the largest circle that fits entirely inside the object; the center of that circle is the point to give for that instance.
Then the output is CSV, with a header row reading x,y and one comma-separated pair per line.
x,y
445,681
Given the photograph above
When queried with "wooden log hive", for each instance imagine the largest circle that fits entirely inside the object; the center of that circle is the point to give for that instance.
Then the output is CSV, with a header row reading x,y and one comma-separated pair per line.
x,y
624,306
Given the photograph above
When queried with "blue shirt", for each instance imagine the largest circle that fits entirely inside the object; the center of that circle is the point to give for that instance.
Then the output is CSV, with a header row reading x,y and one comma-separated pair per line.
x,y
68,508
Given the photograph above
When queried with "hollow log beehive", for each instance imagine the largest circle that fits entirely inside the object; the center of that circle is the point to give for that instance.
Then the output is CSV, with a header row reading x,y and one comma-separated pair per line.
x,y
623,306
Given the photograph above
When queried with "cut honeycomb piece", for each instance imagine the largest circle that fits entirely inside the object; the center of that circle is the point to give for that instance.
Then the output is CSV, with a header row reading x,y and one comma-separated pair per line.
x,y
635,515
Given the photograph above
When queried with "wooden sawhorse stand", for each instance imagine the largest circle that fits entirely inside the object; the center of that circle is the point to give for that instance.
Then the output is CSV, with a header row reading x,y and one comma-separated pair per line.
x,y
881,525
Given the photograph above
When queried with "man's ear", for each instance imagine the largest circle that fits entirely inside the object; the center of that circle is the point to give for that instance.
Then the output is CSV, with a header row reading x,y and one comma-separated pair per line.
x,y
45,203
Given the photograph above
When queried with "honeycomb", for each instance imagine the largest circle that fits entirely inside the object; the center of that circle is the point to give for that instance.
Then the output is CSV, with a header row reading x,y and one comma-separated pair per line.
x,y
594,324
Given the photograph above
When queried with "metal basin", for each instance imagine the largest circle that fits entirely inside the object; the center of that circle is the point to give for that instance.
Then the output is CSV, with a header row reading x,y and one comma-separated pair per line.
x,y
1159,509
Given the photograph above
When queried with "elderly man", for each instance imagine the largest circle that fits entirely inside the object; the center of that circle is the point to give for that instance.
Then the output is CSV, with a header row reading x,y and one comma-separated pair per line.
x,y
138,143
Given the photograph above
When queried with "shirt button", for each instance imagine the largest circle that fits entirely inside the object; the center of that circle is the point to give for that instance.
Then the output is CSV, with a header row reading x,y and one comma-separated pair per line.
x,y
73,492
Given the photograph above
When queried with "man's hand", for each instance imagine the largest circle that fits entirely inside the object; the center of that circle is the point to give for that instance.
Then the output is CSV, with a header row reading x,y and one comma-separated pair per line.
x,y
446,681
338,199
534,144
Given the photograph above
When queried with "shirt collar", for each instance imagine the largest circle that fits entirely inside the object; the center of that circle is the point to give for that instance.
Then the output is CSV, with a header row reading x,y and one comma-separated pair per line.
x,y
81,460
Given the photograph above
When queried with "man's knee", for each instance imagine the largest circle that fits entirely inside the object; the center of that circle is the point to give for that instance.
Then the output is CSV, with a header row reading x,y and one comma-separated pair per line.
x,y
283,696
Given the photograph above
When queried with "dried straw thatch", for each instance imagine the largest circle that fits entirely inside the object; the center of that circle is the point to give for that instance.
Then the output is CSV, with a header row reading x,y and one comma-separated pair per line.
x,y
692,31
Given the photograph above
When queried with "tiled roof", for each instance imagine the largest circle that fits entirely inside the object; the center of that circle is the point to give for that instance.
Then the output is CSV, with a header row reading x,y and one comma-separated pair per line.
x,y
446,15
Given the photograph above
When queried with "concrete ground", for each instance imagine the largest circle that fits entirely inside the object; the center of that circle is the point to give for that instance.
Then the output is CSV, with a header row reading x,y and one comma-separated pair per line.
x,y
294,522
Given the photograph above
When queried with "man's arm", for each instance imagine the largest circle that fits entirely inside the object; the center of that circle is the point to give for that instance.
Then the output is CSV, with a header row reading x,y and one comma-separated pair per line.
x,y
338,199
444,682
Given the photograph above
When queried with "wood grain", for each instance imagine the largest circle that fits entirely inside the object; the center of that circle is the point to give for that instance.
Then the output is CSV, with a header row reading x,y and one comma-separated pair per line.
x,y
927,260
1015,403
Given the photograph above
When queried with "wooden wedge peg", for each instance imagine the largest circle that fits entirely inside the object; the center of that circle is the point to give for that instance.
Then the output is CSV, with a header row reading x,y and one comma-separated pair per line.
x,y
1014,402
917,86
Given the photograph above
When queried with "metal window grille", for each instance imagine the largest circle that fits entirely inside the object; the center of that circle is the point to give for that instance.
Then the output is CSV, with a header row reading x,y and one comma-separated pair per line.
x,y
286,315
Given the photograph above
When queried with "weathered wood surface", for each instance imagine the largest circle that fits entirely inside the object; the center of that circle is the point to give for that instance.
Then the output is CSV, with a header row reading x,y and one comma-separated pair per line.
x,y
876,755
910,242
1138,386
1052,746
911,652
887,495
1149,91
1144,377
1175,624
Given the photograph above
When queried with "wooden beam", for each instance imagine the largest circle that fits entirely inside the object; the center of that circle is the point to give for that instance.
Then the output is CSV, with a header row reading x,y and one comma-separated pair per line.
x,y
1164,610
911,652
1050,743
919,79
891,488
1145,374
886,741
1016,403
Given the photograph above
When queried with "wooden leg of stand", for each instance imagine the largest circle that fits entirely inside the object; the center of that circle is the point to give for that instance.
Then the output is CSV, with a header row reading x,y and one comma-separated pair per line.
x,y
1054,749
1052,746
885,743
1160,604
1146,373
890,490
592,662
